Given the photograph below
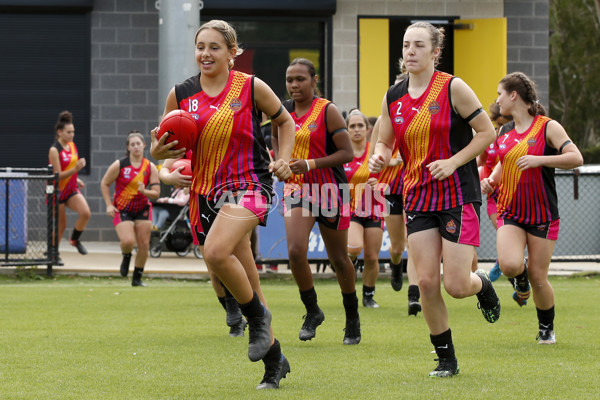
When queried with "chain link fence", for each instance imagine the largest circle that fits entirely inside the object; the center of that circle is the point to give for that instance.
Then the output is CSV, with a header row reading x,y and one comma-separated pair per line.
x,y
28,217
579,209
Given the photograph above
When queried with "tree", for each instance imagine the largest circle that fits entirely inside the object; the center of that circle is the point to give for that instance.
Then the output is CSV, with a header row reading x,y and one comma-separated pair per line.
x,y
575,69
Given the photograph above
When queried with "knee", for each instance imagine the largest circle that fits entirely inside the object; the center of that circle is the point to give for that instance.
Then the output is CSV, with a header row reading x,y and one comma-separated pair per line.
x,y
296,252
428,284
85,214
456,289
354,251
128,243
510,267
214,255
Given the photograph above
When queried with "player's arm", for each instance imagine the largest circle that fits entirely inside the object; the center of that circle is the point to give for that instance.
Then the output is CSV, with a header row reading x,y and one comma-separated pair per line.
x,y
153,190
111,175
385,141
568,155
284,135
170,176
467,105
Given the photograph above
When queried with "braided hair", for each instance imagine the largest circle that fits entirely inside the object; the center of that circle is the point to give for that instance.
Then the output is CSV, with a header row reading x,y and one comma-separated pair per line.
x,y
525,88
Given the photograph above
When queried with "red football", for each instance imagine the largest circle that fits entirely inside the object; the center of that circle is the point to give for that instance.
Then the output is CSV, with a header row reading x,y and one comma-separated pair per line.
x,y
185,163
180,126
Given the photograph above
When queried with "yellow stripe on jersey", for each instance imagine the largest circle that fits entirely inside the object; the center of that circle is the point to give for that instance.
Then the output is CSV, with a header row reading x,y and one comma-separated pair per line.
x,y
417,133
216,134
359,179
301,149
72,162
511,174
131,190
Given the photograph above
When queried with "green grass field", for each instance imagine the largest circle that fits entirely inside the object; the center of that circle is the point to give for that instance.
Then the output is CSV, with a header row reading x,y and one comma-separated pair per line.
x,y
99,338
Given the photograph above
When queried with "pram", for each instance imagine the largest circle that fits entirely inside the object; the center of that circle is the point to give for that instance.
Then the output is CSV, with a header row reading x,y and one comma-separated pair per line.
x,y
176,237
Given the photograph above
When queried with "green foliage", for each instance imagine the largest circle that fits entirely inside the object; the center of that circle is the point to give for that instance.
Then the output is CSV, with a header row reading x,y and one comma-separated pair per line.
x,y
591,155
575,68
99,338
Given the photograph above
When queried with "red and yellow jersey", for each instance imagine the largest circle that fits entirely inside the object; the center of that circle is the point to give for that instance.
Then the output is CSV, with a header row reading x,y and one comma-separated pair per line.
x,y
313,141
428,129
68,159
365,201
392,176
127,197
230,154
528,196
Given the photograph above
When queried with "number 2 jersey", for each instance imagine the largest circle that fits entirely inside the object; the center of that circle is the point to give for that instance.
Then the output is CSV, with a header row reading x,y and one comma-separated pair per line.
x,y
428,129
528,197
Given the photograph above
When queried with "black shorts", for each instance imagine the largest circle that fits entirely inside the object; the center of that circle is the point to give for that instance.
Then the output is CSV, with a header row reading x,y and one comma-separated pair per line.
x,y
367,222
337,219
395,204
144,214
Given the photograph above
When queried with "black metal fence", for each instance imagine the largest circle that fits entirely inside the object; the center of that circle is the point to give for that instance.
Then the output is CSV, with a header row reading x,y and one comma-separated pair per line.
x,y
579,208
28,217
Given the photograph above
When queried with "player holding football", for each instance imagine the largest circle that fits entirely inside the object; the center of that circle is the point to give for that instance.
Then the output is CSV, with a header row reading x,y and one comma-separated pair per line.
x,y
232,184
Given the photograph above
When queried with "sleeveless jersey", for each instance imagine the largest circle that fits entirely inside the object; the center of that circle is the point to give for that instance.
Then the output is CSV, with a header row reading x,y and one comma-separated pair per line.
x,y
127,197
313,141
363,201
231,153
492,156
528,197
428,129
68,159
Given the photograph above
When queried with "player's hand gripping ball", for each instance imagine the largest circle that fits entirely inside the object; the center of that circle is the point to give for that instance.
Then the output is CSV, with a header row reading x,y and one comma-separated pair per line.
x,y
181,126
185,163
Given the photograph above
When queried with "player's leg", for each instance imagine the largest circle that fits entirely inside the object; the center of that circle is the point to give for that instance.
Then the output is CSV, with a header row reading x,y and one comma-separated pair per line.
x,y
373,237
78,204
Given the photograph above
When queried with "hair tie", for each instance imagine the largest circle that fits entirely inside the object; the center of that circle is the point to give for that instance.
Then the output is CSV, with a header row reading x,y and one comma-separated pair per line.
x,y
537,102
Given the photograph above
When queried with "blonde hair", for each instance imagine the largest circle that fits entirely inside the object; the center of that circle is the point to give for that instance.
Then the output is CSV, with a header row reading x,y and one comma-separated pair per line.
x,y
229,35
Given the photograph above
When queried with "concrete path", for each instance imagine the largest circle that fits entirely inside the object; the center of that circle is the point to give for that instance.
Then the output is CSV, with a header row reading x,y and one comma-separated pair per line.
x,y
104,259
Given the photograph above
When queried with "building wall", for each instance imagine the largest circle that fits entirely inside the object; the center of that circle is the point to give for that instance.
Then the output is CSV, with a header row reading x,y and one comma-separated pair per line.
x,y
125,68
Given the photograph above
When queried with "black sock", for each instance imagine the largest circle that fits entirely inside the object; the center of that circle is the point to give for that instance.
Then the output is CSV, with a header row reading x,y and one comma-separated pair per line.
x,y
546,318
137,273
443,344
368,291
413,292
254,308
309,298
485,284
274,354
522,278
222,301
75,235
228,294
350,302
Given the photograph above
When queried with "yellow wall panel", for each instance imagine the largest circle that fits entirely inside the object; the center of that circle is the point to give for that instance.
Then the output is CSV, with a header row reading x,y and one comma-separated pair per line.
x,y
480,56
373,66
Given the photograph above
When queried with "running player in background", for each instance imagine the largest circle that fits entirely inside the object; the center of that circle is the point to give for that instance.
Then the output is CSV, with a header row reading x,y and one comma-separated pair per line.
x,y
232,183
366,208
530,147
66,162
431,116
130,207
314,194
